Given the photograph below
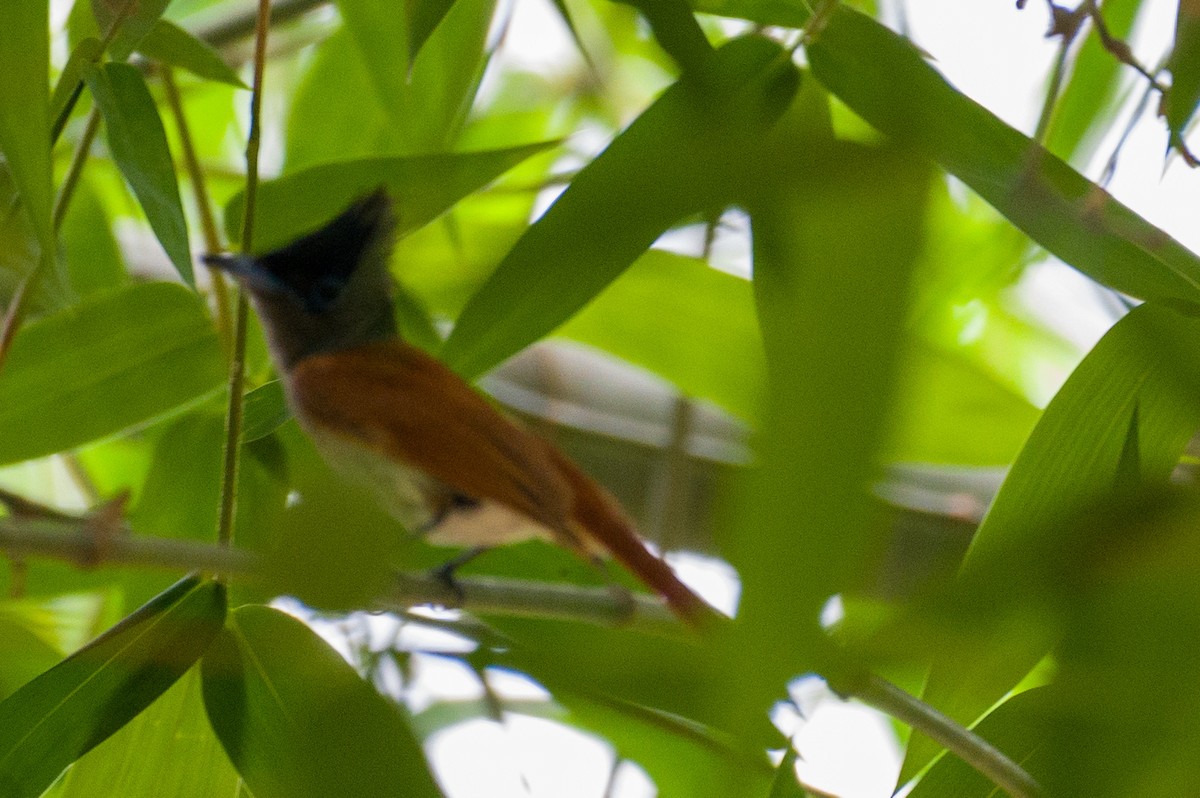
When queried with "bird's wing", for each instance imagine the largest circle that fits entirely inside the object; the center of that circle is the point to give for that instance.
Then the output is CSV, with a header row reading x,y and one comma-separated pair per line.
x,y
398,401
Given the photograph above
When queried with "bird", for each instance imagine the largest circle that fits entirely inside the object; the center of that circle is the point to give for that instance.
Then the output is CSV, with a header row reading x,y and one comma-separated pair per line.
x,y
434,453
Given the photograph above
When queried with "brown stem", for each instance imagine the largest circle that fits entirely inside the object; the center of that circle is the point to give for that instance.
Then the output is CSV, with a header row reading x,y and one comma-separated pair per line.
x,y
208,224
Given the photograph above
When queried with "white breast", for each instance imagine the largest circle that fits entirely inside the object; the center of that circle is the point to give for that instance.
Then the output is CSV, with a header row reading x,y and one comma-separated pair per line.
x,y
405,493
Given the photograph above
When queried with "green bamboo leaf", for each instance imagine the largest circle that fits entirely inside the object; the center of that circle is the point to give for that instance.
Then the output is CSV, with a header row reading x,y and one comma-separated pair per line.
x,y
171,44
785,784
167,750
115,360
445,76
1124,707
662,675
24,653
182,490
265,411
425,87
86,51
1147,364
73,707
724,366
836,241
785,13
422,186
139,146
423,17
683,758
93,258
25,110
901,95
1179,104
1017,727
688,153
297,721
133,19
1084,110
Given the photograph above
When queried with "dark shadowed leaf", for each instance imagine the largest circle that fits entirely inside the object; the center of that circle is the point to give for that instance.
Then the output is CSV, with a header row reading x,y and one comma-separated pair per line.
x,y
133,20
686,154
423,187
423,17
25,109
297,721
835,244
171,44
87,51
787,13
1181,99
265,411
115,360
73,707
139,146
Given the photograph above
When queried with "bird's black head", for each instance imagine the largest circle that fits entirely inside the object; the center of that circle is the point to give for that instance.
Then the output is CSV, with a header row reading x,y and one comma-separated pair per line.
x,y
315,269
329,289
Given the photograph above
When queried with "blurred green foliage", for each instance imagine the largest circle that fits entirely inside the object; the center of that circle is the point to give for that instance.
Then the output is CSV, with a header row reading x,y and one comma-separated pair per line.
x,y
867,316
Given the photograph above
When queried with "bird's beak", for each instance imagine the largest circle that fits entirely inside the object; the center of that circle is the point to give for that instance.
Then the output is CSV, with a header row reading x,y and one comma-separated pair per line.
x,y
247,269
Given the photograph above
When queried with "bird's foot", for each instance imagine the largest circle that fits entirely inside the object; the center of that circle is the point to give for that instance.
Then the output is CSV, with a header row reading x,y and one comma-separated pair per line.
x,y
445,573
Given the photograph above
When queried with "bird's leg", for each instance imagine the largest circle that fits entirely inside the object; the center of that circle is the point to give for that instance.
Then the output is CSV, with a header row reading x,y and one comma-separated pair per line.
x,y
444,573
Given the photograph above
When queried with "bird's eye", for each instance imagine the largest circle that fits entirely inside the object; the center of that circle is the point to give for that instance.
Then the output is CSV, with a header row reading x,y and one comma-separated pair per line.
x,y
325,291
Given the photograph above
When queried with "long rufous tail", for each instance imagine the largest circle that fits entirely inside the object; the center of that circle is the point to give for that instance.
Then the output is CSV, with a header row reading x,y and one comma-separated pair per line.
x,y
601,515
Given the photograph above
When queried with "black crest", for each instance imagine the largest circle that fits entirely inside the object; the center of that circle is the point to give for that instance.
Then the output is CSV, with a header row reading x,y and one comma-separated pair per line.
x,y
318,266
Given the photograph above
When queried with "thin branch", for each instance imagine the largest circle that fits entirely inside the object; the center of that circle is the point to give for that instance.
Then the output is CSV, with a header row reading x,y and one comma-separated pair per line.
x,y
242,25
76,540
237,363
956,738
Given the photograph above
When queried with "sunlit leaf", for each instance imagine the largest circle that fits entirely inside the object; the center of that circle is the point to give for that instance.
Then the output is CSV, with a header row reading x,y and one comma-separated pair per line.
x,y
722,364
73,707
904,97
296,720
1147,362
117,359
139,146
1017,727
168,749
1083,111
